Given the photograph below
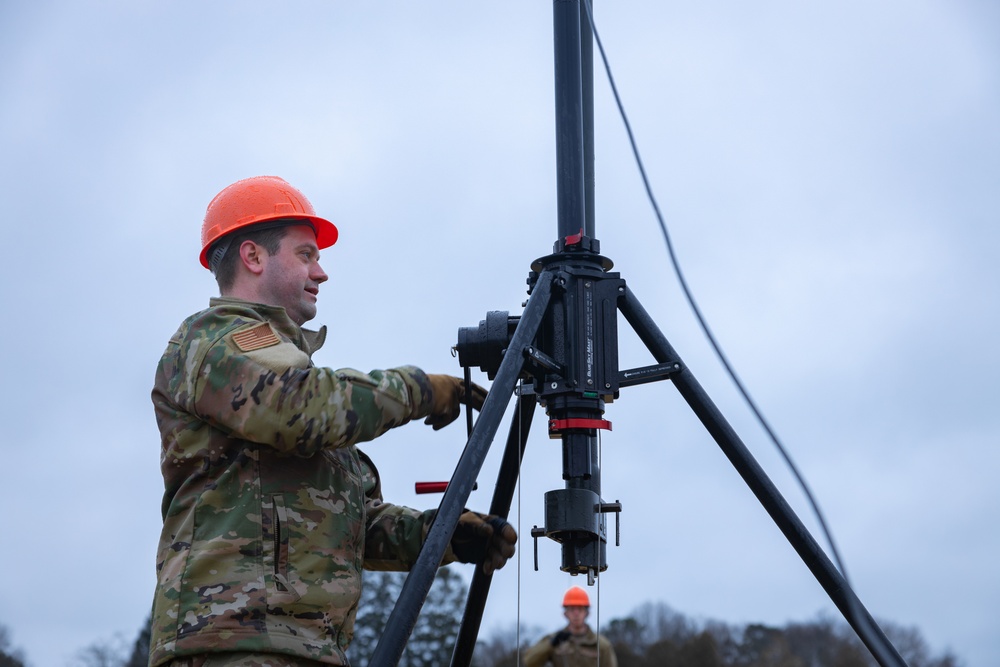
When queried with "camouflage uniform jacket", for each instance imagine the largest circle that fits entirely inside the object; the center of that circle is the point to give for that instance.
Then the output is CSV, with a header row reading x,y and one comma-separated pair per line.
x,y
577,651
269,511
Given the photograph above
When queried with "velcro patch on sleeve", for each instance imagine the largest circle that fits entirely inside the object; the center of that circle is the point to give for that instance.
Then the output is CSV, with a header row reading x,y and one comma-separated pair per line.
x,y
256,337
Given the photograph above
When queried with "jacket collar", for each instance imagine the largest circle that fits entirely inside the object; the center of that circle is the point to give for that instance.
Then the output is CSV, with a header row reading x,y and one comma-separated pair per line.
x,y
307,339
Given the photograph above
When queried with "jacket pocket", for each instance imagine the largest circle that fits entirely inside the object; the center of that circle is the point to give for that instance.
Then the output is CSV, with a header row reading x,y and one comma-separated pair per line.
x,y
275,534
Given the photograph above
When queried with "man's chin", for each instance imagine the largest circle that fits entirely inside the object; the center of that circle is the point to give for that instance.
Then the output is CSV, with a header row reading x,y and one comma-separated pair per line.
x,y
303,314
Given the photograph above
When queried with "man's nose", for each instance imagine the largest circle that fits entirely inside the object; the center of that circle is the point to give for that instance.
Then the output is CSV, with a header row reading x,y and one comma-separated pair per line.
x,y
318,274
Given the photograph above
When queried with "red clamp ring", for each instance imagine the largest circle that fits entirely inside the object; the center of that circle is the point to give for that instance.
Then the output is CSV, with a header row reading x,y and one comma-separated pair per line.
x,y
556,425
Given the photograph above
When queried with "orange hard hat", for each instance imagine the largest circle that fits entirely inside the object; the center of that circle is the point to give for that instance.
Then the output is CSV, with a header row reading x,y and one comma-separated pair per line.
x,y
256,200
576,597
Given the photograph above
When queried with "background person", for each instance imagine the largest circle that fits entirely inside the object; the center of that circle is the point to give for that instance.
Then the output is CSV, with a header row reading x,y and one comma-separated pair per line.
x,y
576,645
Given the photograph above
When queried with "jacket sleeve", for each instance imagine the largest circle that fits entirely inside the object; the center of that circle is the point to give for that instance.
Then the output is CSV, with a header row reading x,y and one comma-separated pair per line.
x,y
539,654
393,534
274,396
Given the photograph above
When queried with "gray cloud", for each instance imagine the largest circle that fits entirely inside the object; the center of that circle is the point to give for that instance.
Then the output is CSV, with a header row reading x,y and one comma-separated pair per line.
x,y
828,175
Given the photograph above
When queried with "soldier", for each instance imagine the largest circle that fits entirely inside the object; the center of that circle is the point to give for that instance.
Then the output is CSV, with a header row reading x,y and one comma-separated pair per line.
x,y
576,645
270,512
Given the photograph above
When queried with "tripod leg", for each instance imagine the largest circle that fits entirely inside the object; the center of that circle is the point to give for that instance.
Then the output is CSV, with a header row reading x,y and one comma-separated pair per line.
x,y
411,598
781,513
502,497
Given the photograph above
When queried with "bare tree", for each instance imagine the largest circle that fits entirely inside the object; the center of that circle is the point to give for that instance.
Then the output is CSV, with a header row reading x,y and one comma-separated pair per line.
x,y
503,643
913,647
9,656
103,653
660,621
433,637
140,648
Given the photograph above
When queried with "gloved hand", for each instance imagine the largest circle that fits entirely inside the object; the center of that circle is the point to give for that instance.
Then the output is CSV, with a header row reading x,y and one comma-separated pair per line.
x,y
447,395
559,637
483,538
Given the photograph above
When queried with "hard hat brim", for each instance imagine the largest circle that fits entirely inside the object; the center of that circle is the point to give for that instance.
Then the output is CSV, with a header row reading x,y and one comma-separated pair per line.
x,y
326,232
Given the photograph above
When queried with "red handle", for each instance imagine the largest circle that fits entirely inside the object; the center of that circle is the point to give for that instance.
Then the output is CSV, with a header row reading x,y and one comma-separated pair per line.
x,y
430,487
436,487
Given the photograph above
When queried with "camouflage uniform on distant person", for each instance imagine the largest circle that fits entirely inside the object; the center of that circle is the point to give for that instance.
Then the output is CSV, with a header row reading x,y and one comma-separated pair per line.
x,y
270,512
576,645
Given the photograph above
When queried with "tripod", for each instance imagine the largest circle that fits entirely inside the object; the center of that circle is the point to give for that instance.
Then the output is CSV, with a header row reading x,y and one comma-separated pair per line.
x,y
566,343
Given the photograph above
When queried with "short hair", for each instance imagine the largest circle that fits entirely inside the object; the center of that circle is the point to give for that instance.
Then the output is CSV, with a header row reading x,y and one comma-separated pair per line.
x,y
224,267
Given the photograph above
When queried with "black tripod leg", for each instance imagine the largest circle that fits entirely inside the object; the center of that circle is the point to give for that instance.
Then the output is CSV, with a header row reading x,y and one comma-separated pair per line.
x,y
411,598
500,506
768,495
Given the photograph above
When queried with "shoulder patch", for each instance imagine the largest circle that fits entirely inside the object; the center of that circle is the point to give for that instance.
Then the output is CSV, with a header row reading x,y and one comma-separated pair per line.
x,y
256,337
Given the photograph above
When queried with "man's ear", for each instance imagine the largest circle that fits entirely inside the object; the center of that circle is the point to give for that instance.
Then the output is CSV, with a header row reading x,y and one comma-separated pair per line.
x,y
252,256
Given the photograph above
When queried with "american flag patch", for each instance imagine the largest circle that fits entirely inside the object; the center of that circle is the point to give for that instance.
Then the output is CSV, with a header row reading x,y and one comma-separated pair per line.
x,y
256,337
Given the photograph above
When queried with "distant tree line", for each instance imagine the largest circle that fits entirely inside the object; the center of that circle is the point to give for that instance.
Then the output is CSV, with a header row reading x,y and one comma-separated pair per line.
x,y
653,635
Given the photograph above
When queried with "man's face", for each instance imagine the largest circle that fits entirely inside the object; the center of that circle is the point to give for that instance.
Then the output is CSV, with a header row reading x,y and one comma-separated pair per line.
x,y
292,277
577,617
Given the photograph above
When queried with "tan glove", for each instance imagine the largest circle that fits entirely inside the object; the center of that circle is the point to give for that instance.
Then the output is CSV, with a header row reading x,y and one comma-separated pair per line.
x,y
447,396
483,538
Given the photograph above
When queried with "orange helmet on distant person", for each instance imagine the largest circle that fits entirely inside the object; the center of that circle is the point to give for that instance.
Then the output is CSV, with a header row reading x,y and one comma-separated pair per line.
x,y
576,597
255,200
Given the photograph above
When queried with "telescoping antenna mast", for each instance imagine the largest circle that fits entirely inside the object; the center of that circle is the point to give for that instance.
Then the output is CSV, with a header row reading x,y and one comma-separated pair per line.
x,y
565,343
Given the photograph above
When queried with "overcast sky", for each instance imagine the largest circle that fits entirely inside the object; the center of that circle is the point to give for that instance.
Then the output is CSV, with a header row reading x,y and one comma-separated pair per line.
x,y
828,171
